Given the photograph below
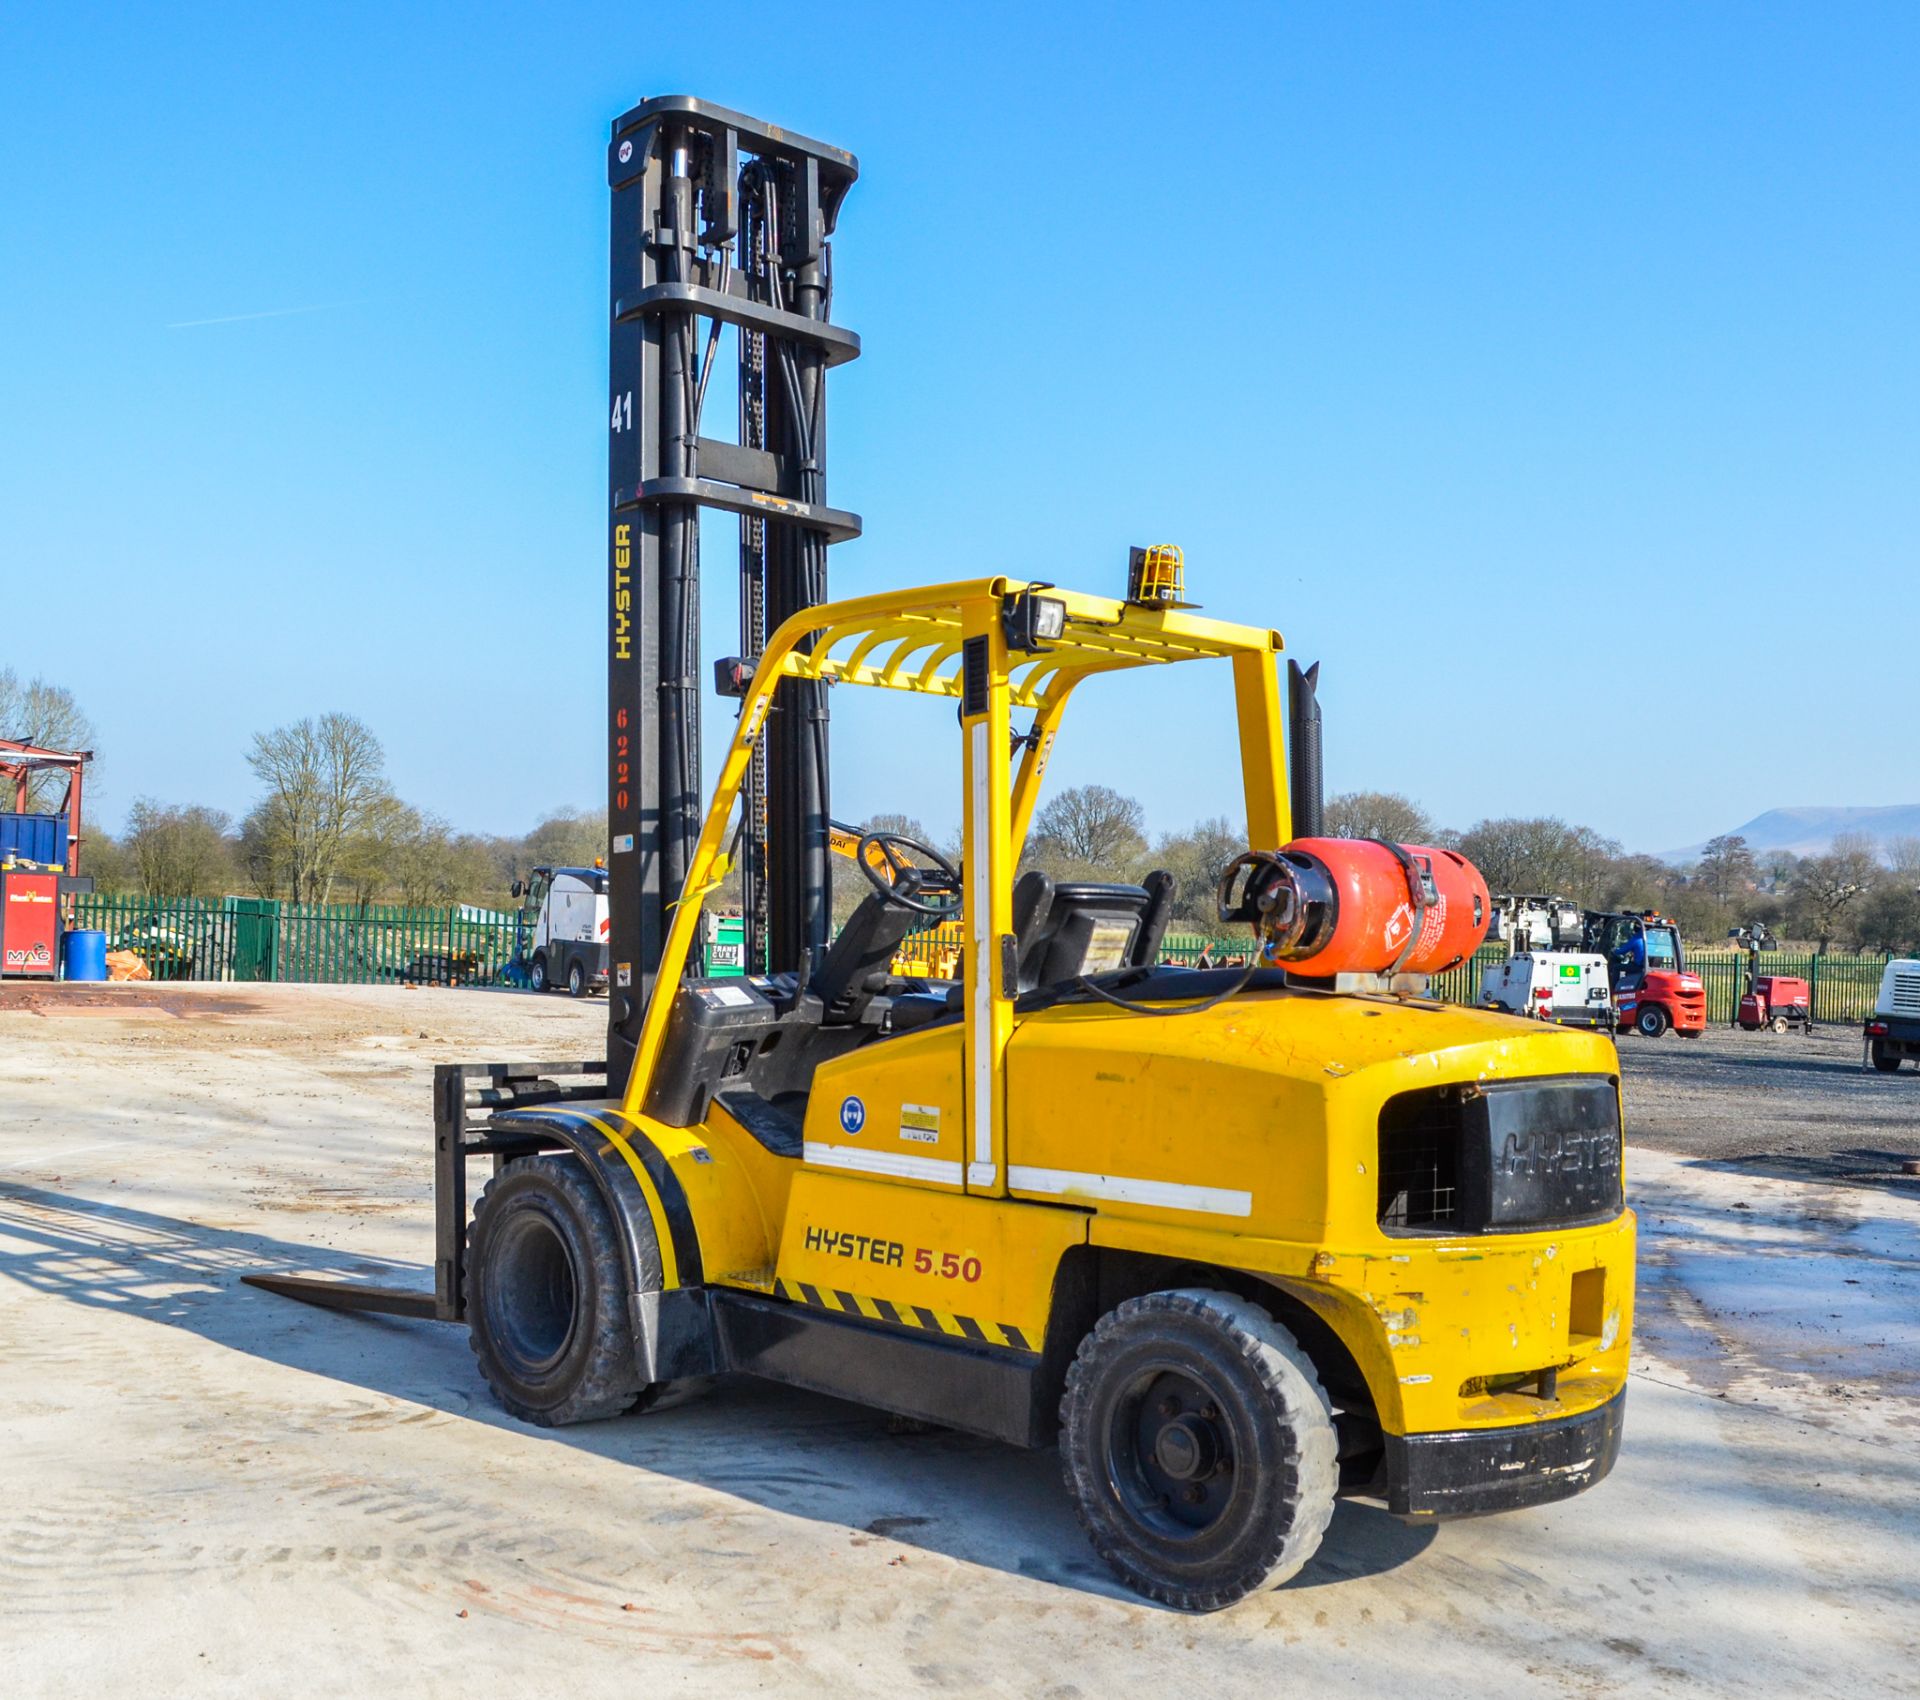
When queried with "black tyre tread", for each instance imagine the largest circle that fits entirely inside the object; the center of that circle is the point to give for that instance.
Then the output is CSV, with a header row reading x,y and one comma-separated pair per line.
x,y
1288,1377
577,981
1884,1060
609,1383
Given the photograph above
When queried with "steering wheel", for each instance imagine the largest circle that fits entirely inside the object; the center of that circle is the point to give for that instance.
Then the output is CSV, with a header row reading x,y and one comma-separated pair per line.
x,y
902,882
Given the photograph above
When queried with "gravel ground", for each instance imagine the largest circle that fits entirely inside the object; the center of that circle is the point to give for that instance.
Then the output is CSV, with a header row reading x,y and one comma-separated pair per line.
x,y
206,1490
1790,1104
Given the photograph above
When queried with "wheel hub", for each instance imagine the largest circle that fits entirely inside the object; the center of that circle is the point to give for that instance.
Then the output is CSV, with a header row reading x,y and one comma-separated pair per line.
x,y
1171,1452
1186,1449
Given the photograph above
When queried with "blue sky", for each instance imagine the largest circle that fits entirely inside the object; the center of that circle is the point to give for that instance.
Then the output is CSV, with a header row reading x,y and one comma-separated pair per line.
x,y
1548,373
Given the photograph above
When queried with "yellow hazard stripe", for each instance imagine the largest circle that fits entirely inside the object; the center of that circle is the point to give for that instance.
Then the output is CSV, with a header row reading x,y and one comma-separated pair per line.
x,y
924,1318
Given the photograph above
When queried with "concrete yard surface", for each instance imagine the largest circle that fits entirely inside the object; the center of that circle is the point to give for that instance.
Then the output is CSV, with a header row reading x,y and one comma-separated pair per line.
x,y
208,1490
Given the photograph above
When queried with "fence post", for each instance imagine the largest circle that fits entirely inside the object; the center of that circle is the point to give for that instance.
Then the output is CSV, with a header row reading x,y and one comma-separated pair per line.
x,y
1813,988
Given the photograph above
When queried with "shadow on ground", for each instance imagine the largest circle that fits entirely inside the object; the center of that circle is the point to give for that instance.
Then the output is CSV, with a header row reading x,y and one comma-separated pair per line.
x,y
799,1453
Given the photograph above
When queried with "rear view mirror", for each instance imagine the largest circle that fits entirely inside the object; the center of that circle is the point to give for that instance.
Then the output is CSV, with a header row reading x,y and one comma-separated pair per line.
x,y
517,889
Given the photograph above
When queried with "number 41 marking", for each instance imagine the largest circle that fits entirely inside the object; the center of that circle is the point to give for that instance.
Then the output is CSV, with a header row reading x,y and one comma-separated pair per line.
x,y
623,412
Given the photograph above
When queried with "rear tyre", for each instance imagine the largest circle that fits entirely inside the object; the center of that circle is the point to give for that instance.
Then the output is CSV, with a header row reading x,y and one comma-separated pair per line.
x,y
1198,1448
1651,1021
1885,1059
1781,1024
577,981
537,975
546,1295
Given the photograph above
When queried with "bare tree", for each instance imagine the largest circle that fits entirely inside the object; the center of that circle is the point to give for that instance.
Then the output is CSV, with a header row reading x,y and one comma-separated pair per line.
x,y
1824,887
1092,827
567,838
901,826
1727,867
1889,917
1903,856
1196,860
428,863
1540,854
36,712
370,855
1378,814
325,778
179,852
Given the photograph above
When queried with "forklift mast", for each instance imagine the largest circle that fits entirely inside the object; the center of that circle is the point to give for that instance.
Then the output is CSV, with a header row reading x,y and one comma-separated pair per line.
x,y
722,218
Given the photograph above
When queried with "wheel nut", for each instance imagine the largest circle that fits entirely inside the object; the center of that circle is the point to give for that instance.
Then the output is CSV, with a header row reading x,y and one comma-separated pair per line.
x,y
1169,1406
1195,1493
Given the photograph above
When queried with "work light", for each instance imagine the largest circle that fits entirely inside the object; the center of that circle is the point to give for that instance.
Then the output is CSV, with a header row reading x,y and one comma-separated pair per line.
x,y
1032,621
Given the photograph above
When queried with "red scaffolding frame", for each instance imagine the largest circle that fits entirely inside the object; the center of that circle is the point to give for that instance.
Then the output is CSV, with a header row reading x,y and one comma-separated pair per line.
x,y
19,762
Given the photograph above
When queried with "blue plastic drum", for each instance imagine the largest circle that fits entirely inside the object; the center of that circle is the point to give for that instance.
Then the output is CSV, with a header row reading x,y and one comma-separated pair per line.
x,y
83,954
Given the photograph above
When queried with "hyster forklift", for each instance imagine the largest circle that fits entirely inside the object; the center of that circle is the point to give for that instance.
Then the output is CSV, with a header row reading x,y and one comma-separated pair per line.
x,y
1239,1240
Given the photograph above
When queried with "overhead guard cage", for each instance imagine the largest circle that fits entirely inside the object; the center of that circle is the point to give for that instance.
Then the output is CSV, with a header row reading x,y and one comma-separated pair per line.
x,y
719,222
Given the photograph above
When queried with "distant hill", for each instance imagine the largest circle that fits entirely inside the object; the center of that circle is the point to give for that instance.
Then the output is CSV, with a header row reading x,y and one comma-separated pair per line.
x,y
1811,832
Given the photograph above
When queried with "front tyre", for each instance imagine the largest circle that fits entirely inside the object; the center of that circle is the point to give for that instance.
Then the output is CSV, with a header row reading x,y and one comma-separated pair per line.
x,y
1198,1447
537,975
1651,1020
546,1295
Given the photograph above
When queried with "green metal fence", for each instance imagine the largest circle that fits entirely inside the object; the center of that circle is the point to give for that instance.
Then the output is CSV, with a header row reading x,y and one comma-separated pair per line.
x,y
246,938
243,938
1843,987
1457,985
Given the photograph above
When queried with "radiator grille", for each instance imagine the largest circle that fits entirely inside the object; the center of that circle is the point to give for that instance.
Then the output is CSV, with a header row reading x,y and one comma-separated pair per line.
x,y
1502,1157
1906,991
1420,1160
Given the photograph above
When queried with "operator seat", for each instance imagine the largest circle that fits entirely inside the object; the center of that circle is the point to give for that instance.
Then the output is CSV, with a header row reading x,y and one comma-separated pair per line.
x,y
858,965
1064,929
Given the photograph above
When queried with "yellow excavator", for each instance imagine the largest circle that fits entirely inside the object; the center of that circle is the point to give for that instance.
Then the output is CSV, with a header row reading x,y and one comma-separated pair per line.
x,y
1239,1241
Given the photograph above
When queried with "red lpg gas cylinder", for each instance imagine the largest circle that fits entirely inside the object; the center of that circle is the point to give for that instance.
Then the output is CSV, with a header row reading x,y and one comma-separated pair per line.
x,y
1351,905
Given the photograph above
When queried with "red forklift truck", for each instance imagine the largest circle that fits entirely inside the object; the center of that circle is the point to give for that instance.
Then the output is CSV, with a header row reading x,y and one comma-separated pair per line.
x,y
1652,988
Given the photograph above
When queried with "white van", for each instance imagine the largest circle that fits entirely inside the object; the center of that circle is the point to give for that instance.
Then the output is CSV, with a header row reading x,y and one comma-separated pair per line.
x,y
1893,1030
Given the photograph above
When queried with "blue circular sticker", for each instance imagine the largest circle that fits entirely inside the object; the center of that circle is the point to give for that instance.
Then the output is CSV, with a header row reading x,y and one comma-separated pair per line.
x,y
853,1114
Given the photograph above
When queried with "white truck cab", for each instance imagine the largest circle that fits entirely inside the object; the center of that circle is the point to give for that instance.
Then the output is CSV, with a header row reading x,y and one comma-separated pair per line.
x,y
570,929
1893,1030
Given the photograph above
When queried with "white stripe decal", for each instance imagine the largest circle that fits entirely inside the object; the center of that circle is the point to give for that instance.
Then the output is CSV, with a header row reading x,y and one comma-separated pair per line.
x,y
980,907
895,1164
1124,1189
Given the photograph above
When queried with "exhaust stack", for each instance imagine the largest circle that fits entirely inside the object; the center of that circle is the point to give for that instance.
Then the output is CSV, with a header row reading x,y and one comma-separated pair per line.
x,y
1304,779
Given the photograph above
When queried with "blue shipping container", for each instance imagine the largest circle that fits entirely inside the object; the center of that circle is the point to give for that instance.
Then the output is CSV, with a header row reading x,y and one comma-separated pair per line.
x,y
34,838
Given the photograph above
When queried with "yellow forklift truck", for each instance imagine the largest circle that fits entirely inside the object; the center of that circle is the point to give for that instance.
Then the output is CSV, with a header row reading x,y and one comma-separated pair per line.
x,y
1239,1240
